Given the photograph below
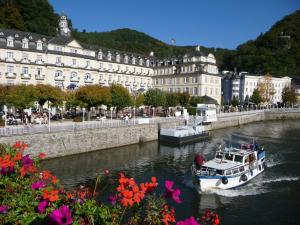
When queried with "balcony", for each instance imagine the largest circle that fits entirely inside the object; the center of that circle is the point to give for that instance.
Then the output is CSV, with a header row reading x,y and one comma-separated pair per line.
x,y
88,80
40,77
25,76
75,79
10,59
127,83
11,75
39,62
59,64
25,60
60,78
102,81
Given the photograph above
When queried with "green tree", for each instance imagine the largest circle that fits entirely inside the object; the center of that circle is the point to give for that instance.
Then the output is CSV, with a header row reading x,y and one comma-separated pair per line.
x,y
256,98
155,98
183,99
139,99
47,93
120,97
3,94
235,101
194,100
171,100
289,96
21,96
10,16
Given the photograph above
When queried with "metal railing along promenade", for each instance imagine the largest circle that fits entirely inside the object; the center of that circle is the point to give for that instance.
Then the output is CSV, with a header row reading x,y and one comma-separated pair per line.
x,y
73,126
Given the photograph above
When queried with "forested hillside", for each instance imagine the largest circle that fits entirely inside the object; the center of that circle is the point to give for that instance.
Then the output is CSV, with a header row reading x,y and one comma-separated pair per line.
x,y
277,51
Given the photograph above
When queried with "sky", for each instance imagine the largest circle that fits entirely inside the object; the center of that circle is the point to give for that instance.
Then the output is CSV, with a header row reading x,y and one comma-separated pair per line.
x,y
210,23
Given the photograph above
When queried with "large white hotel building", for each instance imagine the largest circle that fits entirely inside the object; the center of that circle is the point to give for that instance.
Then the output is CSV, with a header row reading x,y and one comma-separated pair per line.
x,y
61,61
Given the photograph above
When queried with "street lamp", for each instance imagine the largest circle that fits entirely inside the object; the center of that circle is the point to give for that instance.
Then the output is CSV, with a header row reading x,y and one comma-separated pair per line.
x,y
83,112
49,118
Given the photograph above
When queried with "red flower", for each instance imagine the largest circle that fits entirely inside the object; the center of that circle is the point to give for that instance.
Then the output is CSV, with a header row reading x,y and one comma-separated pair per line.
x,y
42,155
168,216
51,195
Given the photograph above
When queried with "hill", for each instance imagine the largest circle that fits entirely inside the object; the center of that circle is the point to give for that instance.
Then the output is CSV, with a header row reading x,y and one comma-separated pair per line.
x,y
277,51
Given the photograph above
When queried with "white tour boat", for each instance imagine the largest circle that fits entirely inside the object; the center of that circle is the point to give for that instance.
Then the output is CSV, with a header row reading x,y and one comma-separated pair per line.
x,y
231,167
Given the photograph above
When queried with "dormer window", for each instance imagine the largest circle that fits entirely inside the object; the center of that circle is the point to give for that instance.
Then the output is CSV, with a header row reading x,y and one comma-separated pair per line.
x,y
24,43
141,61
133,60
39,45
10,42
118,58
100,55
126,59
16,35
147,62
109,56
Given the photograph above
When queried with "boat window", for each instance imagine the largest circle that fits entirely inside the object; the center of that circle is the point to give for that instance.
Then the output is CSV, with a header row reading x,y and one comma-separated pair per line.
x,y
238,158
228,172
242,169
220,172
219,155
229,157
235,171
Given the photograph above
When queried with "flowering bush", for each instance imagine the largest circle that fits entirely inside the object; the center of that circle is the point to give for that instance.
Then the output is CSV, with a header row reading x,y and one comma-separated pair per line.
x,y
31,196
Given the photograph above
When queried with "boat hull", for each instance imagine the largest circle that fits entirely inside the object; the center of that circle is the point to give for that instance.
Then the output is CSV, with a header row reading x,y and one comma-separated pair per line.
x,y
173,140
207,183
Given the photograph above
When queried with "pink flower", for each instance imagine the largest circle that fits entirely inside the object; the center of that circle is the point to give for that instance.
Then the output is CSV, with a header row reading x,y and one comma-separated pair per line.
x,y
37,185
42,207
171,193
189,221
113,199
61,216
4,209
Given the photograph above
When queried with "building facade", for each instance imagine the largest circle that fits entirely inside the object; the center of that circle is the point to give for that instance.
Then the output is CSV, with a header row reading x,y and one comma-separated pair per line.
x,y
242,85
195,73
61,61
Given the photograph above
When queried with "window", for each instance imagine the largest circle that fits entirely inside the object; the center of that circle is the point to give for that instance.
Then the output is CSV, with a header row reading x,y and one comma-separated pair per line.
x,y
238,158
141,62
24,43
109,56
39,45
58,48
10,69
119,68
87,63
195,91
126,59
74,62
88,76
39,71
100,55
24,70
58,60
101,65
73,50
147,63
229,157
186,80
10,55
58,73
110,66
118,58
39,58
10,42
133,60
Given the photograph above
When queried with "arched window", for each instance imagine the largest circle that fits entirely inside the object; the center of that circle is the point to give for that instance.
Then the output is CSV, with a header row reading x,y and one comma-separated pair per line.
x,y
147,62
133,60
87,76
58,73
39,45
118,57
73,75
141,61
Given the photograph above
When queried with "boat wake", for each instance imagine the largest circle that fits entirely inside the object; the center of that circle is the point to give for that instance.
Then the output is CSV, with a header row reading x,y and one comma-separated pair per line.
x,y
254,188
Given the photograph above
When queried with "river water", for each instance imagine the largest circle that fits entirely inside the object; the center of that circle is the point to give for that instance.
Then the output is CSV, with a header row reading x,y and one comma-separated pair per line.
x,y
271,198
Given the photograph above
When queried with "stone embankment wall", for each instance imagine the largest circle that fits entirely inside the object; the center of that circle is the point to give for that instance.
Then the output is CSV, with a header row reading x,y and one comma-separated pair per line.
x,y
80,141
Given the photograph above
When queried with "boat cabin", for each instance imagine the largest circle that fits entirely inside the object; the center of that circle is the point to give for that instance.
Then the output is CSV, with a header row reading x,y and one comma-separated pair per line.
x,y
207,111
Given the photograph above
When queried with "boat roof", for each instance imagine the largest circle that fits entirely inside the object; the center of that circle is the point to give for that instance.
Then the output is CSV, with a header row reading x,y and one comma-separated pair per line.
x,y
237,151
224,165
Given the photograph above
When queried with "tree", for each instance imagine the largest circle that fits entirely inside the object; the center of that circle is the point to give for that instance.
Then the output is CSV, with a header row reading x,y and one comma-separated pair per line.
x,y
120,97
266,89
256,98
47,93
21,96
10,16
139,100
3,94
194,100
235,101
155,98
183,98
93,95
289,96
171,100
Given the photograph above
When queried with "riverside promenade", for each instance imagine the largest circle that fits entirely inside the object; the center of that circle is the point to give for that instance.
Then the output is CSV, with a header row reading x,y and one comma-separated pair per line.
x,y
67,138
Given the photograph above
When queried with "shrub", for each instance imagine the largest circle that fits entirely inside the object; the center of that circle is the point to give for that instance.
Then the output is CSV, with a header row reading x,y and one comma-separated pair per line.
x,y
31,196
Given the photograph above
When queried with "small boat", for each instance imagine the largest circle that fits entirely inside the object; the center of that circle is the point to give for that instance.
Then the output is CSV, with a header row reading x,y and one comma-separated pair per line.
x,y
183,135
231,167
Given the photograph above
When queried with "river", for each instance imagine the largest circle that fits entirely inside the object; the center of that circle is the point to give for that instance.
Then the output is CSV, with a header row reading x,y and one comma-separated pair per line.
x,y
271,198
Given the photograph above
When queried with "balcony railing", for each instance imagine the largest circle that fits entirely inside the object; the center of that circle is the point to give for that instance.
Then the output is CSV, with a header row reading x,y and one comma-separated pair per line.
x,y
60,78
40,77
25,60
25,76
75,79
8,59
39,61
11,75
88,80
